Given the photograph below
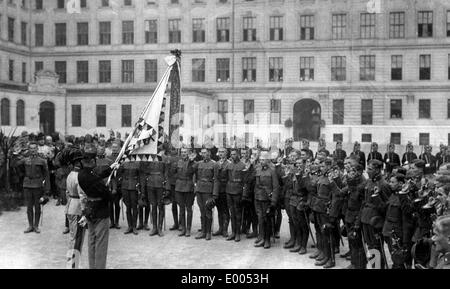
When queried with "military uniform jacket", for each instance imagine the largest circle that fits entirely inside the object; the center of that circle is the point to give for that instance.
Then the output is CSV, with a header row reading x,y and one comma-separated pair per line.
x,y
35,171
311,186
129,176
288,185
235,183
408,157
443,261
442,158
339,155
430,163
374,156
299,196
362,158
185,173
355,189
155,174
222,175
321,202
374,206
173,162
104,164
249,176
206,173
337,198
391,160
267,186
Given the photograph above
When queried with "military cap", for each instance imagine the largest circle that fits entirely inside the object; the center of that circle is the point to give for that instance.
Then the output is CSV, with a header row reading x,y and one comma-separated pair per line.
x,y
305,141
338,142
409,145
328,161
356,144
391,145
428,147
289,140
40,136
374,144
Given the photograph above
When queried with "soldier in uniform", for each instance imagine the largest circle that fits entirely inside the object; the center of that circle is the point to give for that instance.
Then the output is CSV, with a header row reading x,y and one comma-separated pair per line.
x,y
156,174
376,194
223,212
206,189
322,148
430,161
441,241
339,153
391,159
172,178
250,160
36,180
409,155
116,192
184,190
62,171
266,198
235,184
441,155
374,154
276,163
357,152
305,146
129,179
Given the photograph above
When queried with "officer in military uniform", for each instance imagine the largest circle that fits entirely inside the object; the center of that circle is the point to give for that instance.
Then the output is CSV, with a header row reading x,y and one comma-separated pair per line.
x,y
374,154
391,159
184,190
305,146
36,180
250,160
441,240
409,155
171,181
156,174
276,163
430,161
223,212
206,189
62,171
322,148
266,198
357,152
442,156
234,189
114,185
376,194
130,183
339,153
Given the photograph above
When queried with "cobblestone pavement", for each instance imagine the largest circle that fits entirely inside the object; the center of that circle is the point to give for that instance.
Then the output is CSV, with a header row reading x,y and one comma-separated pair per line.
x,y
48,249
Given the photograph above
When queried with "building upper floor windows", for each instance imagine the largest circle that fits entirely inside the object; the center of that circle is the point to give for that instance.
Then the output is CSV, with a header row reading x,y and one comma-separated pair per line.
x,y
249,29
105,3
198,30
198,70
127,32
38,34
60,4
448,23
367,67
367,25
425,67
306,68
223,69
424,108
338,68
397,25
396,67
339,26
276,28
249,69
425,24
396,108
105,33
276,69
223,29
60,34
151,31
127,2
11,23
39,4
174,31
306,27
83,33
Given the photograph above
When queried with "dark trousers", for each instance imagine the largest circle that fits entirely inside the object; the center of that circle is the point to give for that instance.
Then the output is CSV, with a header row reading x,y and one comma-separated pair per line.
x,y
396,263
326,237
249,217
53,187
62,196
355,244
174,206
278,219
234,204
264,222
98,236
155,197
317,230
223,212
185,201
373,240
300,223
143,214
205,213
32,196
130,198
114,208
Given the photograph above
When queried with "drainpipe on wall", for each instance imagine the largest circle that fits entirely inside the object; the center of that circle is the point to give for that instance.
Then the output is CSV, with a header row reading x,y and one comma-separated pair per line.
x,y
232,64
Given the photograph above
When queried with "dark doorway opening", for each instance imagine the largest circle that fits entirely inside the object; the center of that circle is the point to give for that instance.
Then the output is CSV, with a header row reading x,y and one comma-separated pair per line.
x,y
307,118
47,117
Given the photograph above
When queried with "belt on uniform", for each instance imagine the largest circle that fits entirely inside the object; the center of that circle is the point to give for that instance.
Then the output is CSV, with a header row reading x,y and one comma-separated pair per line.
x,y
74,197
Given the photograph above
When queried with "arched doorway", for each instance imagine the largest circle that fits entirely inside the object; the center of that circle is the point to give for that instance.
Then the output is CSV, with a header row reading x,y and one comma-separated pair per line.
x,y
307,118
47,117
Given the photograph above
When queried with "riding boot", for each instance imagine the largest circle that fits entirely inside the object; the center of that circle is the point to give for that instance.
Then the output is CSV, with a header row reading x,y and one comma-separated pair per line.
x,y
175,217
160,221
208,224
154,231
290,244
267,235
298,244
182,225
225,227
141,218
188,224
202,234
220,220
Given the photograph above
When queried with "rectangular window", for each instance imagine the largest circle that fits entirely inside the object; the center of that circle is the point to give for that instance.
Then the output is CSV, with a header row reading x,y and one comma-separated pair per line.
x,y
61,4
127,2
174,31
104,71
448,23
424,139
366,137
449,66
338,68
307,27
24,72
222,110
127,32
61,70
396,67
11,29
276,28
249,111
198,70
83,3
223,69
38,66
338,111
60,34
448,108
249,32
76,115
367,25
39,5
367,67
23,30
366,111
82,72
338,137
425,67
397,25
396,108
151,70
11,70
275,111
249,69
127,71
338,26
151,31
105,3
424,108
425,24
39,35
223,29
101,115
306,68
83,33
126,115
198,30
276,69
396,138
105,33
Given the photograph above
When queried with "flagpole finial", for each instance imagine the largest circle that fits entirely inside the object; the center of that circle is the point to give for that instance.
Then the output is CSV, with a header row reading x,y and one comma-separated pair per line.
x,y
176,52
